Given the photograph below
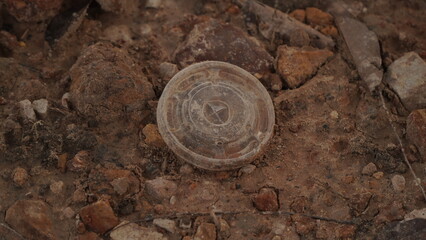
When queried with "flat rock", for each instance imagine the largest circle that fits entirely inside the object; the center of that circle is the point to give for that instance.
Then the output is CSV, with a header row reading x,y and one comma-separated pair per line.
x,y
166,224
99,216
132,231
32,219
160,189
406,76
418,213
296,65
364,47
206,231
266,200
125,90
152,136
213,40
416,130
26,109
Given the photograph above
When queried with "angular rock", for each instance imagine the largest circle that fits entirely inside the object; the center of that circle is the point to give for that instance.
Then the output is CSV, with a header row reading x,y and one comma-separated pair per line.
x,y
80,162
406,77
167,70
166,224
27,111
299,38
416,130
369,169
40,107
132,231
120,185
266,200
152,136
32,219
160,189
107,85
33,10
20,176
364,48
317,17
99,216
206,231
398,183
57,187
418,213
296,65
213,40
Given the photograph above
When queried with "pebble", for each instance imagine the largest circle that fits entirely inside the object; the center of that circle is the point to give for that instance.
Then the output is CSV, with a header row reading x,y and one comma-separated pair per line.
x,y
153,3
398,183
299,15
80,161
416,130
299,38
65,100
406,77
41,107
120,34
160,189
369,169
226,43
57,187
247,169
334,114
206,231
99,216
32,219
27,110
378,175
296,65
173,200
20,176
166,224
152,136
186,169
132,231
225,229
266,200
167,70
317,17
120,185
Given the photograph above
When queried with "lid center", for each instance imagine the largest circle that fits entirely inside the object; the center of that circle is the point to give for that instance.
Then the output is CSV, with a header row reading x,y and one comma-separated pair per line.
x,y
216,112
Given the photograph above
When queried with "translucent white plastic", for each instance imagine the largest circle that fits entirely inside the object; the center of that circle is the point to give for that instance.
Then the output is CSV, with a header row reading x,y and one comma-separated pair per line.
x,y
215,115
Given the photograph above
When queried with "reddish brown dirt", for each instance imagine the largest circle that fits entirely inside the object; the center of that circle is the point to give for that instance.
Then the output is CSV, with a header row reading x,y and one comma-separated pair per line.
x,y
326,131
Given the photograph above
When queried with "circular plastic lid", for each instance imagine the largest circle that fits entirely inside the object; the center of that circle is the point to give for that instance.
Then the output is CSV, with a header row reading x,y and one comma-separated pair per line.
x,y
215,115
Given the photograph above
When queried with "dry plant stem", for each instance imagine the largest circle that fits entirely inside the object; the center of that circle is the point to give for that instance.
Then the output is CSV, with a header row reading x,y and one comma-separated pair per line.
x,y
416,179
15,232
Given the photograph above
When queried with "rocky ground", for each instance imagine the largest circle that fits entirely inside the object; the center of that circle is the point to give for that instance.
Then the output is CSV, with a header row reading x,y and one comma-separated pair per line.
x,y
81,156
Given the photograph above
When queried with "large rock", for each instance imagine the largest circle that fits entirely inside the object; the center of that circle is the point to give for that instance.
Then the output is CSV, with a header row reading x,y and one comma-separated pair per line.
x,y
407,77
296,65
33,10
416,130
32,219
108,85
99,216
213,40
132,231
364,47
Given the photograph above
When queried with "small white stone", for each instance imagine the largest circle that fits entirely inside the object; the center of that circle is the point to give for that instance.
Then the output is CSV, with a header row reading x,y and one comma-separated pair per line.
x,y
65,100
398,183
173,200
41,106
334,115
247,169
27,110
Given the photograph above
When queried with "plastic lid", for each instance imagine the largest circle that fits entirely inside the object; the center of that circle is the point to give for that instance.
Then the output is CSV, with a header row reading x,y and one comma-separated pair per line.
x,y
215,115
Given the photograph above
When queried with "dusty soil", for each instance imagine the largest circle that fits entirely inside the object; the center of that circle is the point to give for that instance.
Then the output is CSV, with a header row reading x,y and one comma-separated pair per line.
x,y
327,130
